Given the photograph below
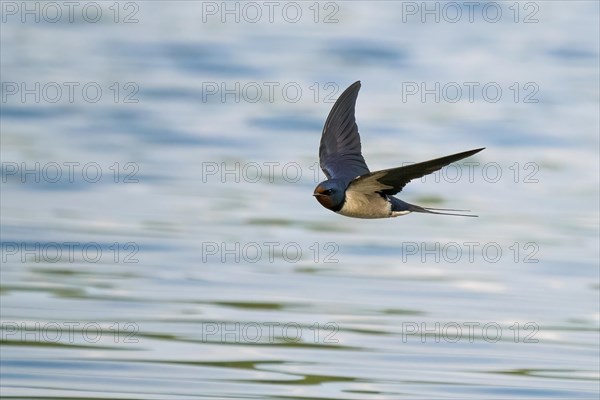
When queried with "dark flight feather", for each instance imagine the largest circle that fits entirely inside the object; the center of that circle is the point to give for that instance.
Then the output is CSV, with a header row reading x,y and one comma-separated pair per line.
x,y
391,181
340,150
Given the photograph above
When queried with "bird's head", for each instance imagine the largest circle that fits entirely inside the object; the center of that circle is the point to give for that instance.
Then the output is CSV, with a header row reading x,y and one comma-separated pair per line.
x,y
331,194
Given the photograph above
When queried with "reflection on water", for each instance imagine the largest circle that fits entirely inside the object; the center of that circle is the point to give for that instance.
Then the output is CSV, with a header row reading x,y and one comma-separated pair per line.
x,y
169,247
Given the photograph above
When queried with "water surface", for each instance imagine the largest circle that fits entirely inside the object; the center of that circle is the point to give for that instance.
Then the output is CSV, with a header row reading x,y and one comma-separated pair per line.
x,y
199,266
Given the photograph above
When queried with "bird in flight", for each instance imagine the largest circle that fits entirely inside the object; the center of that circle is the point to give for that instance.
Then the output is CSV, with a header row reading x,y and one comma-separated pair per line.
x,y
354,191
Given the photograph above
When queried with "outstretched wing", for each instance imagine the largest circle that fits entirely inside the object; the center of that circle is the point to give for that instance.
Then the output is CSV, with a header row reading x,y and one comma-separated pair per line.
x,y
340,152
391,181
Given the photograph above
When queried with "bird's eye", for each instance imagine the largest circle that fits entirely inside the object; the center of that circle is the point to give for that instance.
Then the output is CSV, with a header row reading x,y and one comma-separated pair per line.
x,y
328,192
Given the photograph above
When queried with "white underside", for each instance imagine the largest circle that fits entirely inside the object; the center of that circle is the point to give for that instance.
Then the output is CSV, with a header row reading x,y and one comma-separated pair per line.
x,y
372,205
399,213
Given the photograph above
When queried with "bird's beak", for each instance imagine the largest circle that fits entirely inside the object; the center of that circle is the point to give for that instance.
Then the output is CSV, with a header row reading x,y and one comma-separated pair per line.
x,y
318,194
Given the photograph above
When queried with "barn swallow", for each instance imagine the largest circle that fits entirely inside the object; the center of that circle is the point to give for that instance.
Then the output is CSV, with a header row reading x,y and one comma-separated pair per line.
x,y
354,191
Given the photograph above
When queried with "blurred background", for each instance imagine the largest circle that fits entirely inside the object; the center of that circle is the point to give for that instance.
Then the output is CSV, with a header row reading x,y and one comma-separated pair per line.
x,y
160,240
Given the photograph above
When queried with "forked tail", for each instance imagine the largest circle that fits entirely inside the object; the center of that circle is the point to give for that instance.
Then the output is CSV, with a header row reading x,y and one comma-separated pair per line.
x,y
399,205
430,210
